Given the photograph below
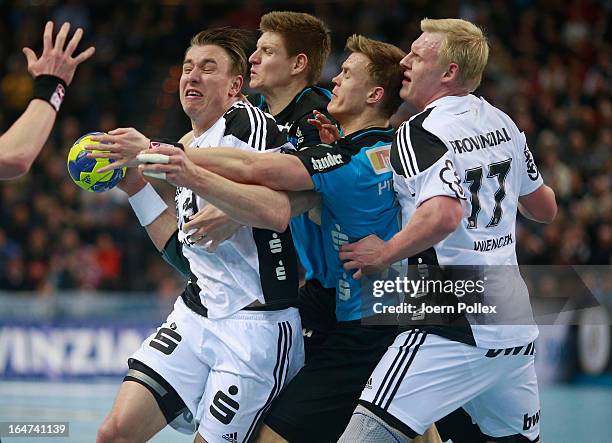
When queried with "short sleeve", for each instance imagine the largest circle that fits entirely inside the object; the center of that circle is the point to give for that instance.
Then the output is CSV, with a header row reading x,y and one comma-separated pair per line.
x,y
425,163
255,128
320,161
530,179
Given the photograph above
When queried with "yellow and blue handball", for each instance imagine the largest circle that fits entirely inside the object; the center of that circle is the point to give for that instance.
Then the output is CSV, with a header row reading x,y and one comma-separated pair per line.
x,y
84,170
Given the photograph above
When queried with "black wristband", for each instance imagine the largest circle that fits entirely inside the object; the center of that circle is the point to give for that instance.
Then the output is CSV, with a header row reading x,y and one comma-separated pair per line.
x,y
164,141
51,89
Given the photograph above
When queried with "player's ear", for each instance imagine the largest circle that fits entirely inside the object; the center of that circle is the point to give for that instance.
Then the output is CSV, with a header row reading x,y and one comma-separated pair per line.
x,y
300,63
236,85
451,74
376,95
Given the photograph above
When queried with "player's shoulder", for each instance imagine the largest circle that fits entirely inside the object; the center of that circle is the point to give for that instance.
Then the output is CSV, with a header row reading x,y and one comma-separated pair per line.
x,y
257,100
248,124
311,98
417,145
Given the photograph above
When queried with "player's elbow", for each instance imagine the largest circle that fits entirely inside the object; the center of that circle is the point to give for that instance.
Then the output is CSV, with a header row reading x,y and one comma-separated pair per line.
x,y
549,207
14,167
548,213
280,216
540,206
449,215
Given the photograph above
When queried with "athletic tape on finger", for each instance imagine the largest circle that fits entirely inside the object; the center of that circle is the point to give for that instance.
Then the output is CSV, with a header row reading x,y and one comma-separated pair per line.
x,y
153,158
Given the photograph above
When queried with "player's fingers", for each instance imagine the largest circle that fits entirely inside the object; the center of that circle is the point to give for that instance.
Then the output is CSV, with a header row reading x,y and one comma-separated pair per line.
x,y
199,238
74,42
348,247
103,138
351,265
329,127
60,39
84,55
109,147
155,158
112,166
152,171
315,123
48,37
197,223
357,275
103,154
212,247
321,117
157,167
30,56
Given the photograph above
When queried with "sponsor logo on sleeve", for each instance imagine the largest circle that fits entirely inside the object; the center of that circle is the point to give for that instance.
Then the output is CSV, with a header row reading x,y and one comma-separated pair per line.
x,y
532,169
449,177
379,159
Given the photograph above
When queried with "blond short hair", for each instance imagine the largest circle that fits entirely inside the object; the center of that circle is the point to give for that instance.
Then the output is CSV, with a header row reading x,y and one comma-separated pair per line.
x,y
302,34
384,68
465,44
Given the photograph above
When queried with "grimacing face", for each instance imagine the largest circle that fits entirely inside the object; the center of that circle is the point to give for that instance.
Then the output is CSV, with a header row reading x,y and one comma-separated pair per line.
x,y
422,72
206,82
270,63
351,88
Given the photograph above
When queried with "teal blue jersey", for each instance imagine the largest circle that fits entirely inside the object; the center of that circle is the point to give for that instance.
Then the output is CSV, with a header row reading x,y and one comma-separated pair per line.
x,y
354,177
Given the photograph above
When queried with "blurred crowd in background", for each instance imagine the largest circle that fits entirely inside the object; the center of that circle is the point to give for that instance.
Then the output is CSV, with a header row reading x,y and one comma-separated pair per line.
x,y
550,69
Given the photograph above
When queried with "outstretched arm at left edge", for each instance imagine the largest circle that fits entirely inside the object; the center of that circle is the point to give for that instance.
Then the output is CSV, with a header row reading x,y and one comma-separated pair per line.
x,y
20,145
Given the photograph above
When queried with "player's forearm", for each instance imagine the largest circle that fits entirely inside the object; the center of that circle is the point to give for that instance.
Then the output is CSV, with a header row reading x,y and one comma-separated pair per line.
x,y
154,215
231,163
20,145
251,205
303,201
272,170
162,228
431,223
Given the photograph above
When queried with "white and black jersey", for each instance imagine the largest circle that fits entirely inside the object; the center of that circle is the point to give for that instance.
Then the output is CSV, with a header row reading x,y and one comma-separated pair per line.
x,y
464,148
254,264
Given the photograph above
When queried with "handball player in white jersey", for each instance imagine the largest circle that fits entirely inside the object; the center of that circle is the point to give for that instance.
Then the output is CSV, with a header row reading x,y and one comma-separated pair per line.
x,y
233,339
462,170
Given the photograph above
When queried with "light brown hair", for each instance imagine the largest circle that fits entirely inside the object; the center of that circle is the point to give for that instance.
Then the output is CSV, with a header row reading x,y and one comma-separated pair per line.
x,y
384,67
302,34
232,40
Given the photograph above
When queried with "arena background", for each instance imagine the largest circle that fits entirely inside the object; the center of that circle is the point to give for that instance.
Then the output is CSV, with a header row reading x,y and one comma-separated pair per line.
x,y
81,285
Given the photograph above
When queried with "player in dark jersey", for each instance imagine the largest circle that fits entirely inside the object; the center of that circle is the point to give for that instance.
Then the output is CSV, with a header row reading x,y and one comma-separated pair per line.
x,y
353,177
285,67
52,72
462,170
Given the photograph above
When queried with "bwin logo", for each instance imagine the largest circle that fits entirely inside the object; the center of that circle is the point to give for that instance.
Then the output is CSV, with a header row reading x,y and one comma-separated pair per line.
x,y
276,245
530,420
328,161
224,407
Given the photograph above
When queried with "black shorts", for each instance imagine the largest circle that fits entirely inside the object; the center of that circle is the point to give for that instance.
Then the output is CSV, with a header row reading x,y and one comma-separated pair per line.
x,y
317,306
317,404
